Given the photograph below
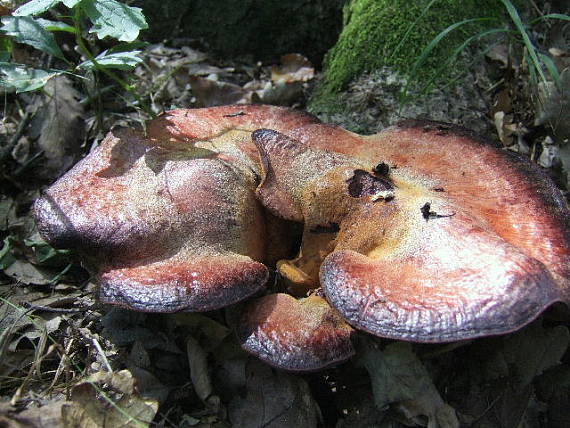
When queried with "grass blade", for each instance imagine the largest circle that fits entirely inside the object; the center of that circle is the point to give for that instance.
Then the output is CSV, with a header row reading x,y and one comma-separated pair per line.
x,y
454,55
409,30
512,11
550,16
435,41
552,70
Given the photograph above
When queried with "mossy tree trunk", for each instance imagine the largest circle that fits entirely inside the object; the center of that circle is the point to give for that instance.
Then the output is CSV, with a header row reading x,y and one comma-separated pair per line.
x,y
394,33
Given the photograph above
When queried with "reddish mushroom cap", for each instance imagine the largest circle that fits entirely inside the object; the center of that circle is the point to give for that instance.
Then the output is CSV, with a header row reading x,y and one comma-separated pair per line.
x,y
309,186
480,245
298,335
454,281
165,223
423,232
515,198
437,249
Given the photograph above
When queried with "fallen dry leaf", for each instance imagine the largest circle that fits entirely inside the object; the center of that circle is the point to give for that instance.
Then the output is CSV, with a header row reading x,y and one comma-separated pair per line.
x,y
400,379
280,93
529,352
198,363
108,400
209,92
550,152
273,399
502,124
553,387
27,273
47,416
294,68
558,52
59,125
499,53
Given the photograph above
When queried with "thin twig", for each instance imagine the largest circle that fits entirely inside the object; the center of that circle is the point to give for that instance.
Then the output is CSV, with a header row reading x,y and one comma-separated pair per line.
x,y
102,353
62,362
18,394
14,140
55,310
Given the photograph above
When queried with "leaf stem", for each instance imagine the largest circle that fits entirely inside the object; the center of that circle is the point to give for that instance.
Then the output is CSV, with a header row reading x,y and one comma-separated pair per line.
x,y
85,51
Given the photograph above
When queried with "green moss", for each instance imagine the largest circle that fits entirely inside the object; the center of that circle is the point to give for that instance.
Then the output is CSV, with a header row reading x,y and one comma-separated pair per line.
x,y
377,33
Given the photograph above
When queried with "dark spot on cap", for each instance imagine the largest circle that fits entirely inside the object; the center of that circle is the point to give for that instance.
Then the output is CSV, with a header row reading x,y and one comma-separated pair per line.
x,y
364,184
427,213
426,210
236,114
382,169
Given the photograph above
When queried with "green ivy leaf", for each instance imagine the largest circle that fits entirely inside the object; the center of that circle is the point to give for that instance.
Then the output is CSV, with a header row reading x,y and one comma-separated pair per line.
x,y
118,60
23,79
71,3
35,7
55,25
28,31
45,254
114,19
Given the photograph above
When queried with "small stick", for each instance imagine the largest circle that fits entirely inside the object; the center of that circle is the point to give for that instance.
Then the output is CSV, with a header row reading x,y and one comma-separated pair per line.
x,y
55,310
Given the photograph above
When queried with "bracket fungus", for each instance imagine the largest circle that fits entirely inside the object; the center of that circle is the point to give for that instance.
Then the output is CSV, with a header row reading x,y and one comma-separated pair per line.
x,y
423,232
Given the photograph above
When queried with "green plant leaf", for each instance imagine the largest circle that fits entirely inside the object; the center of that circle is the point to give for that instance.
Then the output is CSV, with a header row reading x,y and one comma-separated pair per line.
x,y
28,31
35,7
6,257
45,254
114,19
22,78
128,46
430,47
533,76
55,25
118,60
71,3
